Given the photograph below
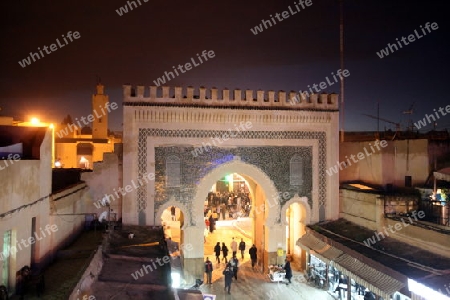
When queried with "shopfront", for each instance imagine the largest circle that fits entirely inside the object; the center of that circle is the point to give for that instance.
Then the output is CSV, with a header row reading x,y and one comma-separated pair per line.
x,y
339,273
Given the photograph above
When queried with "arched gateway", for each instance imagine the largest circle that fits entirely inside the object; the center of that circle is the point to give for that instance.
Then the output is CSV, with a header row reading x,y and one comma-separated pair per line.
x,y
182,144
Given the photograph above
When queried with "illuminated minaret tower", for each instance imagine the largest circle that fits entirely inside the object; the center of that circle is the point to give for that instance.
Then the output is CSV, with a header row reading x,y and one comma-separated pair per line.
x,y
100,112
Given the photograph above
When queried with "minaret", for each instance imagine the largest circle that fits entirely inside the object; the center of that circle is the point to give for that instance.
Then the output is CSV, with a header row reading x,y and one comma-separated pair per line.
x,y
100,112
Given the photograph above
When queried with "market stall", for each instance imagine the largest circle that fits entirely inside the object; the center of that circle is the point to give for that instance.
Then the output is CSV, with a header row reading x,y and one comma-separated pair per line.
x,y
276,273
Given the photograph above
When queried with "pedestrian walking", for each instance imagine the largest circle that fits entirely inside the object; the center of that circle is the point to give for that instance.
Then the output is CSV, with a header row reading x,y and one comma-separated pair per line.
x,y
172,212
253,255
218,211
215,216
224,252
217,251
228,274
235,265
224,211
208,270
205,234
233,247
212,224
242,248
287,268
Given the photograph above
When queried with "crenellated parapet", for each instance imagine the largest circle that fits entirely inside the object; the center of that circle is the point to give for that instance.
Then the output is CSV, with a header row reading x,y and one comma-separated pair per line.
x,y
189,96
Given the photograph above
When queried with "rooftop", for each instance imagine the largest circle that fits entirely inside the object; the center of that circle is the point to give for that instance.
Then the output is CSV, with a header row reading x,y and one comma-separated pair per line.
x,y
125,257
412,262
367,136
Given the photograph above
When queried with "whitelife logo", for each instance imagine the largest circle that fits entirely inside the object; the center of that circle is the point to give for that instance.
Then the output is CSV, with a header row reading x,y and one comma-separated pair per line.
x,y
109,198
161,262
321,86
124,9
90,118
397,226
345,164
162,80
31,240
284,15
53,47
423,122
225,137
10,159
391,48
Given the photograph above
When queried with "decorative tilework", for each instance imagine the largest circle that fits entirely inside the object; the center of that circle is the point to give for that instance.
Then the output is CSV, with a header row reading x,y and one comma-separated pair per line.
x,y
273,160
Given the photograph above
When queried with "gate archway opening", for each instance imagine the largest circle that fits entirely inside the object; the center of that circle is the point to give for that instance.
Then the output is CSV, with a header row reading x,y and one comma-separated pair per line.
x,y
172,219
227,212
269,227
267,234
296,215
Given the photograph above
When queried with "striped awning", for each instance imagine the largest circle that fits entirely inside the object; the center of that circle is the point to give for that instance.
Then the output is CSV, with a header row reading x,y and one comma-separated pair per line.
x,y
376,281
322,250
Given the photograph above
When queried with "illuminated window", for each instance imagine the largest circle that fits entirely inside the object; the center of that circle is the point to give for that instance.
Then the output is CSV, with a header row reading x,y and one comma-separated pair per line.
x,y
173,171
296,170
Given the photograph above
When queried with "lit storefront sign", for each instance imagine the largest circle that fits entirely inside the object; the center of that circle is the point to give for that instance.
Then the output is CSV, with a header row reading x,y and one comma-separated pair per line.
x,y
424,291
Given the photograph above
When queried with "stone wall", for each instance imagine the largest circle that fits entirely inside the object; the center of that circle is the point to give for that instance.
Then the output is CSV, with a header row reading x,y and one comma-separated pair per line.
x,y
104,181
385,165
364,209
67,209
367,210
395,204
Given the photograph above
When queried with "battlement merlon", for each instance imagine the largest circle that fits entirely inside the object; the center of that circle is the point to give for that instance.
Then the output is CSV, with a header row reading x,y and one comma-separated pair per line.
x,y
212,98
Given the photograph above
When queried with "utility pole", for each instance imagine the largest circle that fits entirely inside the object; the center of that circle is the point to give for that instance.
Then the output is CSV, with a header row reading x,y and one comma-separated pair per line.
x,y
378,119
341,51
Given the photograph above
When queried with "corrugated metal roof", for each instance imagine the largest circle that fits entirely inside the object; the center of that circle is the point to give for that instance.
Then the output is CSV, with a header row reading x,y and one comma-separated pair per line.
x,y
373,279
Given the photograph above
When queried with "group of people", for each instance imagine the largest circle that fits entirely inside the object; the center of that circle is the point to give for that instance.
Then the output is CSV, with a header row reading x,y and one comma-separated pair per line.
x,y
227,205
232,266
234,248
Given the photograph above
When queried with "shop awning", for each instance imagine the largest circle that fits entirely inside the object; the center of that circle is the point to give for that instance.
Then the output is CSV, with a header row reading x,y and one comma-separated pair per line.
x,y
442,174
320,249
376,281
370,277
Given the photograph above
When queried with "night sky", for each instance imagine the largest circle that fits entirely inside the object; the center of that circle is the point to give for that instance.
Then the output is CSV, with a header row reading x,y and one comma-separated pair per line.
x,y
139,46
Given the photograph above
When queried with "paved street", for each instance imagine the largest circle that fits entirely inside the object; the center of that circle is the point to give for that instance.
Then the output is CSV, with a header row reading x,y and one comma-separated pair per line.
x,y
252,284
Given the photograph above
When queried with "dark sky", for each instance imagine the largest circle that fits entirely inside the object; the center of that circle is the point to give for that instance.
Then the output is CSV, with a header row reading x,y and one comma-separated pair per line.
x,y
141,45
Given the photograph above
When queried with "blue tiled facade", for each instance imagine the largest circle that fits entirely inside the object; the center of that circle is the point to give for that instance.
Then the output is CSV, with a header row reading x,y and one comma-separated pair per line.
x,y
274,161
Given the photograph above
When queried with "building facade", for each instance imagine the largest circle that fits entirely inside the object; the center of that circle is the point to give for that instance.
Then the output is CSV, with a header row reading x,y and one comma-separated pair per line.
x,y
35,220
177,143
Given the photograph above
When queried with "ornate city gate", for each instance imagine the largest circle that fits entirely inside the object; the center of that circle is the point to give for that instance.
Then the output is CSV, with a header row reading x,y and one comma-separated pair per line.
x,y
182,144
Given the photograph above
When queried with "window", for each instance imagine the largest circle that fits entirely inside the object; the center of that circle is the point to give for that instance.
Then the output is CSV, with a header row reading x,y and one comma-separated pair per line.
x,y
296,170
173,171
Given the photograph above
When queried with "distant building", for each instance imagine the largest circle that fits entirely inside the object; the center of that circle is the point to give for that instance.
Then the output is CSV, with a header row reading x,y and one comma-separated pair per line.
x,y
405,159
79,146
